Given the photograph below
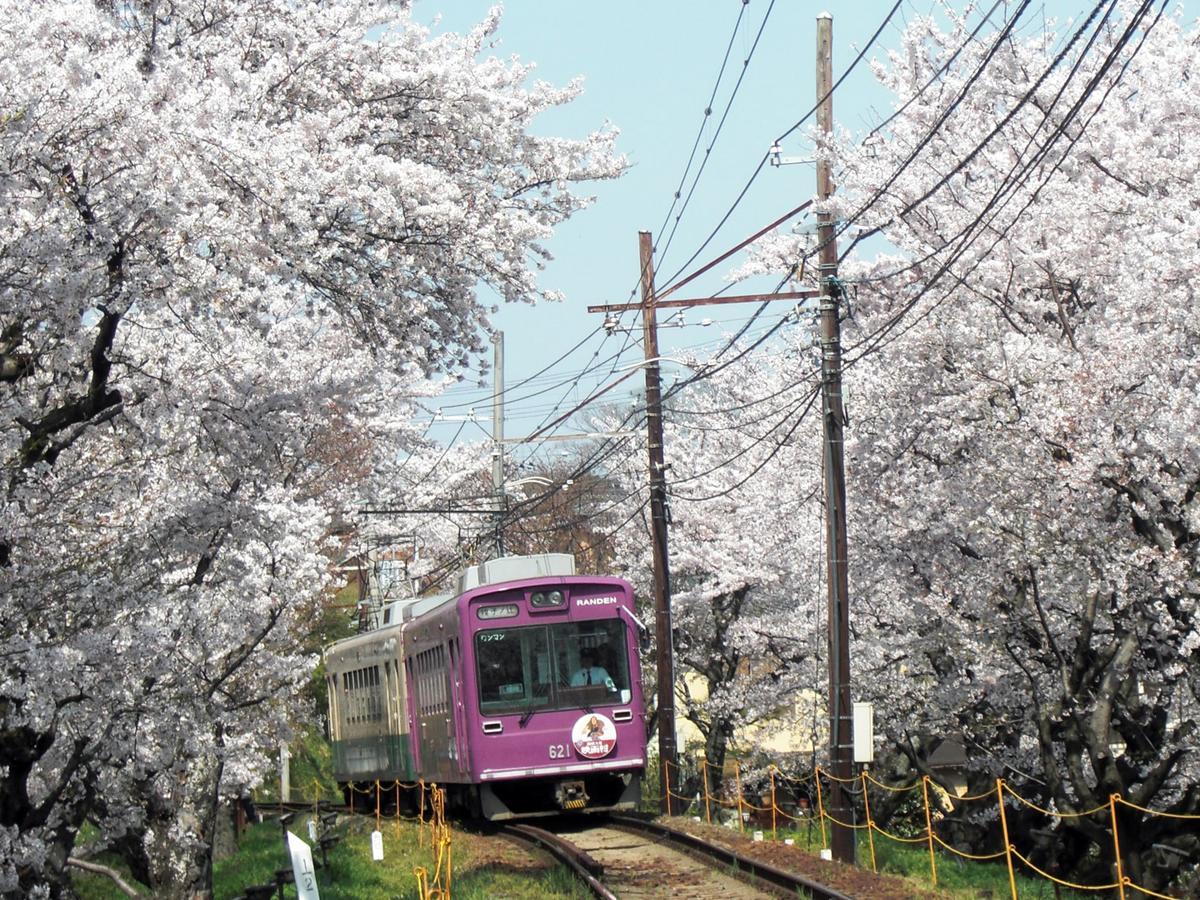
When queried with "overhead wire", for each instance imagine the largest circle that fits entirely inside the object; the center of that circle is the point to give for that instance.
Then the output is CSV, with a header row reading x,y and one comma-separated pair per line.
x,y
571,381
771,331
709,373
971,232
938,124
720,125
929,135
1045,74
941,70
524,381
696,143
766,156
858,59
445,450
703,125
742,331
805,408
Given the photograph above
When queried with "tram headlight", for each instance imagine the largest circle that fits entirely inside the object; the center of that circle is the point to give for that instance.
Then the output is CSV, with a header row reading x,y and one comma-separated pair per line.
x,y
544,599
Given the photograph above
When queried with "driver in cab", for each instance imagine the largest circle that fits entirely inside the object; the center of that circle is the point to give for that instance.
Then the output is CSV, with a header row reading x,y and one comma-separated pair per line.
x,y
589,672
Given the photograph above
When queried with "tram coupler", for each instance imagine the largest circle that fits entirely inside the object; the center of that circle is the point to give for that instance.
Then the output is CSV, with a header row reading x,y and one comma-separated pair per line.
x,y
571,795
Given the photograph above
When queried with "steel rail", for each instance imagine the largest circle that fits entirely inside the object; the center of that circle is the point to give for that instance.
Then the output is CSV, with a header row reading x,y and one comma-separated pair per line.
x,y
765,872
585,867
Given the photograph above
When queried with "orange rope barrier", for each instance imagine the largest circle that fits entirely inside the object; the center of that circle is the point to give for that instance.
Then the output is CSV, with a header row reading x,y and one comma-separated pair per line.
x,y
1008,849
965,855
919,839
841,780
929,829
984,796
888,787
1070,884
870,824
743,808
1157,812
1059,815
836,821
1150,893
774,831
737,775
820,806
800,818
798,780
1112,809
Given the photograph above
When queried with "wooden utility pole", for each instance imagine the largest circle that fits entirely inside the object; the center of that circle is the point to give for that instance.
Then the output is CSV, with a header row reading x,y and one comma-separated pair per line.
x,y
498,440
667,748
833,417
667,751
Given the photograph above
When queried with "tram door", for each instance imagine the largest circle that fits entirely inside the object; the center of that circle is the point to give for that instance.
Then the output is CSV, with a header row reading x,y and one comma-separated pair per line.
x,y
433,705
458,709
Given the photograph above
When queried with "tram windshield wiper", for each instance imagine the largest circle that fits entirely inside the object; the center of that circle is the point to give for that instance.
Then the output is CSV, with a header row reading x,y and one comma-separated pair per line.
x,y
535,702
528,714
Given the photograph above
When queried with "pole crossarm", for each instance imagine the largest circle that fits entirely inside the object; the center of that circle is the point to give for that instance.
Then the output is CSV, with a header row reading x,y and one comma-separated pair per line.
x,y
705,301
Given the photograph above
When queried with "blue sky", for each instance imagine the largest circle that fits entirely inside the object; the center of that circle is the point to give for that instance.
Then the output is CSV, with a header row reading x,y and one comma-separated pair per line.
x,y
650,68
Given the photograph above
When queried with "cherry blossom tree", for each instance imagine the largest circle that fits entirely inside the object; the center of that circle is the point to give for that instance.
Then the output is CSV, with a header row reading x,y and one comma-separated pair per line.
x,y
1023,473
743,450
236,237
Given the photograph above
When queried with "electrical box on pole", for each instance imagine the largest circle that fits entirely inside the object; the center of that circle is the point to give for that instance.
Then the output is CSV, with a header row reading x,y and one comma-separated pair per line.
x,y
864,732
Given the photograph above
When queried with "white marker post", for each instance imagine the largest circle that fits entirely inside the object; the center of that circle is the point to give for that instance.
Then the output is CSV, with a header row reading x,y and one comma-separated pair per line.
x,y
376,846
285,775
302,868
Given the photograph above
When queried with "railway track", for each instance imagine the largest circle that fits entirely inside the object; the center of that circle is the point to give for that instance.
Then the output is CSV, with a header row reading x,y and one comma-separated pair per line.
x,y
637,859
634,859
585,867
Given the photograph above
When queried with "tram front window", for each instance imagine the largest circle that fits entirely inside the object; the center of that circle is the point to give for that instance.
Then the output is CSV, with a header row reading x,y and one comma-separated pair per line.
x,y
560,666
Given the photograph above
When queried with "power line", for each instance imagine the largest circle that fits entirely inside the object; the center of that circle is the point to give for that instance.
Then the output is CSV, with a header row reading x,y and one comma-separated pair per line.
x,y
965,237
766,156
704,124
942,69
720,125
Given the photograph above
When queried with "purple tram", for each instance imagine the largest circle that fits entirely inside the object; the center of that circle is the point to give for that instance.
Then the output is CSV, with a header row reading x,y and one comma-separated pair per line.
x,y
520,694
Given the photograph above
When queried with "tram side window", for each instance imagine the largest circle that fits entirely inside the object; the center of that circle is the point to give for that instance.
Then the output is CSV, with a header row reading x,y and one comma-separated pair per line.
x,y
430,668
363,699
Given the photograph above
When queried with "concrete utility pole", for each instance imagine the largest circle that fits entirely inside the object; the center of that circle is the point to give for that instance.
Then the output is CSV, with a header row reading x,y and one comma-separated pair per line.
x,y
667,751
498,439
833,416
